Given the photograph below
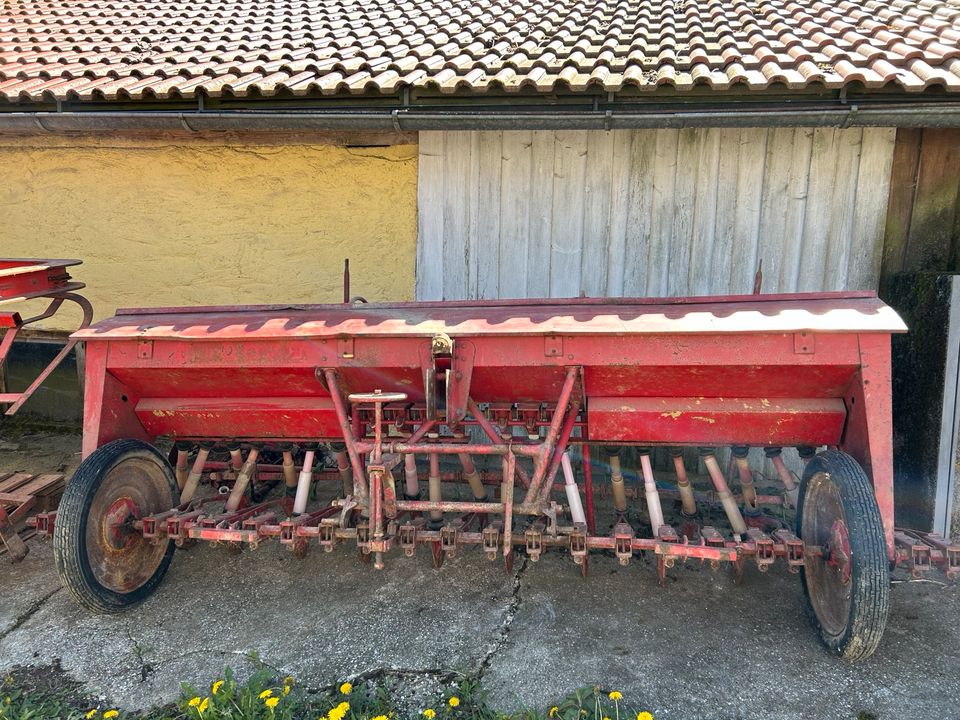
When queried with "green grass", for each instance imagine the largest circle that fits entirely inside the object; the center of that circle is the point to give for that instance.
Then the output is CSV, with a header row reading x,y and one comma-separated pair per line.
x,y
265,696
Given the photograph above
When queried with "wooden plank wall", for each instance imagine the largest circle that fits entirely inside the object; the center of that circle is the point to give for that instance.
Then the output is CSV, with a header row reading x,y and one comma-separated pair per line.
x,y
923,216
650,212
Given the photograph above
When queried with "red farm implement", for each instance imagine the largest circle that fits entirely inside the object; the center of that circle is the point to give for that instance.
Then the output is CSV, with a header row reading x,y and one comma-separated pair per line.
x,y
20,280
453,424
28,279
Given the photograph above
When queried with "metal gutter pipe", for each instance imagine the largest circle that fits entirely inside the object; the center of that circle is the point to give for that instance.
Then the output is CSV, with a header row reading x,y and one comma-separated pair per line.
x,y
413,119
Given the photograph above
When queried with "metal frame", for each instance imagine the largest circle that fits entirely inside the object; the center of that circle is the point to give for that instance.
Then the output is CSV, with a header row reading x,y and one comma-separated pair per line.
x,y
27,279
393,380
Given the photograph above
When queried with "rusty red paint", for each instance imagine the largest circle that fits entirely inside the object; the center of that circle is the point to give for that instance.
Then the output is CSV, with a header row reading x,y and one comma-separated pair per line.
x,y
117,520
717,421
22,278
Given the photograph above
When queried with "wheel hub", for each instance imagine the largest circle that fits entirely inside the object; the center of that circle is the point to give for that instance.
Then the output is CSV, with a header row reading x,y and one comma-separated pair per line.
x,y
837,551
117,523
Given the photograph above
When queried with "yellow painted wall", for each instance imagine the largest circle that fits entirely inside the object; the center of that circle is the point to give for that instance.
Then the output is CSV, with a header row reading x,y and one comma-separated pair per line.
x,y
182,222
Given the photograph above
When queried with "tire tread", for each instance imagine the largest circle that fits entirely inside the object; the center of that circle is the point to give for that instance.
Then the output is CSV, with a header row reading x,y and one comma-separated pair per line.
x,y
69,530
870,596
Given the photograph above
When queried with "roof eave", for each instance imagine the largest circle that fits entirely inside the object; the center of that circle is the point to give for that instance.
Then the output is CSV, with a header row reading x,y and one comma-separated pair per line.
x,y
401,119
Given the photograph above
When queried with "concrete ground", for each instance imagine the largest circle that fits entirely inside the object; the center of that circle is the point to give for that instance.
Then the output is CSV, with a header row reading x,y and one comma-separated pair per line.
x,y
701,647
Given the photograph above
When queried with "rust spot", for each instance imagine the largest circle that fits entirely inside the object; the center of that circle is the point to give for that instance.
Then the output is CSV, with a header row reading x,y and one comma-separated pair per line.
x,y
703,419
675,414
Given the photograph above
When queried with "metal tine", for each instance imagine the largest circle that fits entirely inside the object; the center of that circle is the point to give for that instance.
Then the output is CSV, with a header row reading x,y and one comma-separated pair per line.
x,y
252,523
226,520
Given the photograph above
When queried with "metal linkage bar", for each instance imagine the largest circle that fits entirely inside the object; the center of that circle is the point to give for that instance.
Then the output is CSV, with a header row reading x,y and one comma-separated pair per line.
x,y
17,400
257,523
204,519
559,450
450,506
494,436
553,433
405,417
920,552
346,428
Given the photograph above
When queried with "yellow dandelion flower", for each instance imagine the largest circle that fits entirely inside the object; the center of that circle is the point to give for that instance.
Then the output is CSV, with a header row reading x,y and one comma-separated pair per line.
x,y
616,696
339,711
265,694
553,712
288,680
606,718
193,702
346,689
271,702
91,713
644,715
429,713
110,714
286,689
454,701
204,704
380,717
215,688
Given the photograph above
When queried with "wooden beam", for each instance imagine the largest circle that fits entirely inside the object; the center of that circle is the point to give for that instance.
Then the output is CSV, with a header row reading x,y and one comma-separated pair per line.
x,y
931,239
903,184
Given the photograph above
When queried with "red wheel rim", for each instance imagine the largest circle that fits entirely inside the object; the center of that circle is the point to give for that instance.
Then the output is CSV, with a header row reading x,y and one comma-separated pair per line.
x,y
828,575
120,558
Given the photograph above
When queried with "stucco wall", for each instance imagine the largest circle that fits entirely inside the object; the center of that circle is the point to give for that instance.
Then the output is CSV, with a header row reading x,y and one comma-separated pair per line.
x,y
182,222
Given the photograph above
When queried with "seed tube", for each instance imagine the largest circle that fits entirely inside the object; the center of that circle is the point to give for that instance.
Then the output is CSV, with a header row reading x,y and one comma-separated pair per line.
x,y
687,501
723,492
654,508
616,481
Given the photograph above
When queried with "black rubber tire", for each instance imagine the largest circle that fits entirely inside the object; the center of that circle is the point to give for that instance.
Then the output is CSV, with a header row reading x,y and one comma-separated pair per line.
x,y
859,634
70,529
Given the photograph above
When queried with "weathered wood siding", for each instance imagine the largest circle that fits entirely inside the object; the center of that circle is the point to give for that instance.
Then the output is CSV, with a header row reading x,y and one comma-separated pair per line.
x,y
650,212
923,217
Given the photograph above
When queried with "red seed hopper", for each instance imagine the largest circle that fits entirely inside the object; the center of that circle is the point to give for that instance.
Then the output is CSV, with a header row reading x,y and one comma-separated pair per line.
x,y
510,399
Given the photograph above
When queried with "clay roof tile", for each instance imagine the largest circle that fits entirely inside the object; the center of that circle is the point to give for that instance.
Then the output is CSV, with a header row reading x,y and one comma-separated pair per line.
x,y
126,49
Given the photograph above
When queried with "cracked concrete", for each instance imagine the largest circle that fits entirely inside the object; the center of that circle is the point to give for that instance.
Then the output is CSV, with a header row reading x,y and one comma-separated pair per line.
x,y
508,617
28,613
701,647
214,608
